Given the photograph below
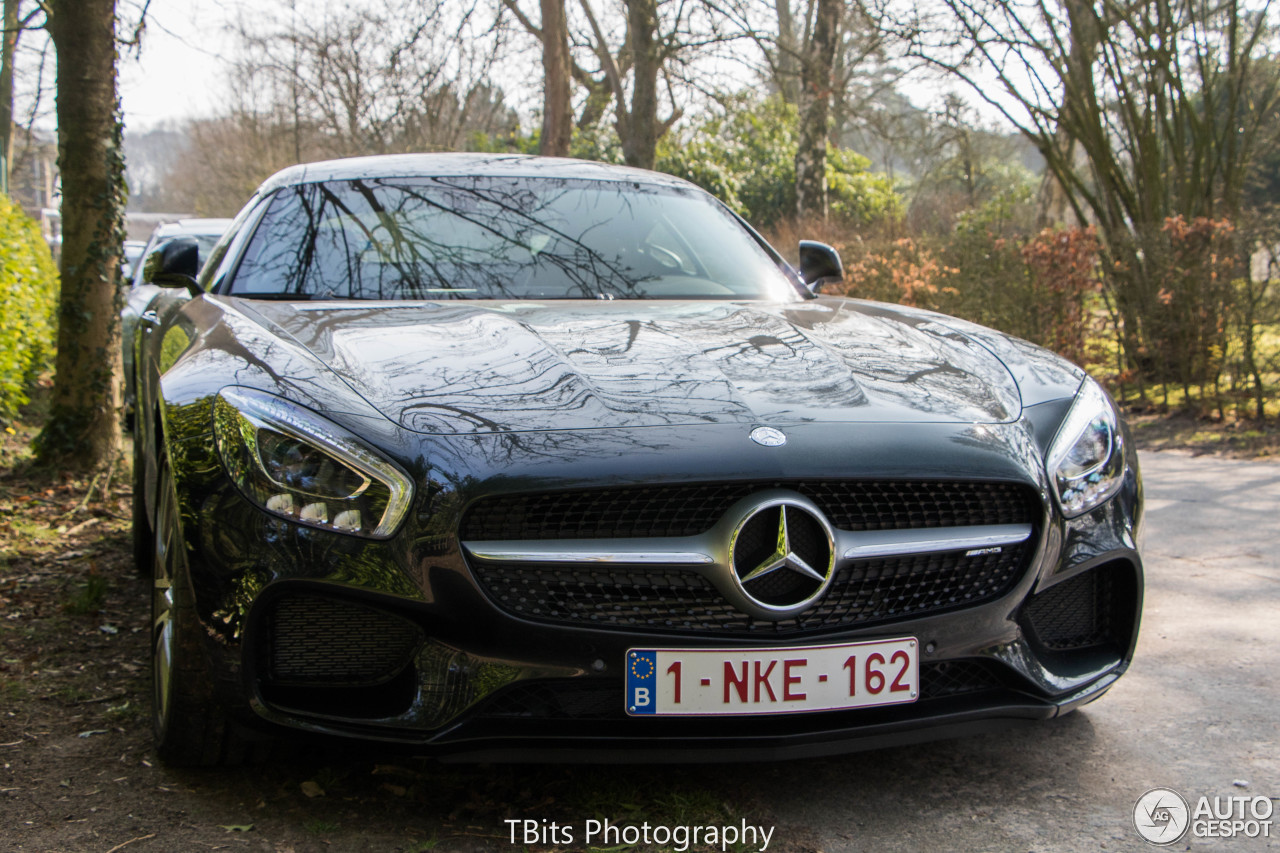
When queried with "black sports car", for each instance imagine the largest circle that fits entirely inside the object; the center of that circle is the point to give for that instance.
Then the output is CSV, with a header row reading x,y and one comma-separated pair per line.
x,y
502,457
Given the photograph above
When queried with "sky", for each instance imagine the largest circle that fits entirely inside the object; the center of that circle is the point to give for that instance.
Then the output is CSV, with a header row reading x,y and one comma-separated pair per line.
x,y
179,72
184,56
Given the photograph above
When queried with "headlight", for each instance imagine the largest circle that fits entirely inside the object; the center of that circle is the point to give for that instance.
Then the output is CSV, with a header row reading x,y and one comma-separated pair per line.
x,y
294,464
1086,459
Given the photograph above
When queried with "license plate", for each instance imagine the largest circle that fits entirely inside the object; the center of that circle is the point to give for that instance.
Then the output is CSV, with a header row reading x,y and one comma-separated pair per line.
x,y
712,682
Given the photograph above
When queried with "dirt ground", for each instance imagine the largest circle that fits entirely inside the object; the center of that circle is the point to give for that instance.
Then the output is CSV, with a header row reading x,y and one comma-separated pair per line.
x,y
1239,439
77,772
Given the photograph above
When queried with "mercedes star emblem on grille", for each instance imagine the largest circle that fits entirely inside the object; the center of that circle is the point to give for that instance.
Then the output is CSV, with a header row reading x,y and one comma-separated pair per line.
x,y
783,556
768,437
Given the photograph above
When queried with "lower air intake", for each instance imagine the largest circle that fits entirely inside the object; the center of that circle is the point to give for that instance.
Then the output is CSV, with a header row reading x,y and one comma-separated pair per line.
x,y
957,677
320,641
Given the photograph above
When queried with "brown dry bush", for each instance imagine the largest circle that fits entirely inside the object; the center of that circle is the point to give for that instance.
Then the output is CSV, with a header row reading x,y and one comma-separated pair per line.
x,y
1043,288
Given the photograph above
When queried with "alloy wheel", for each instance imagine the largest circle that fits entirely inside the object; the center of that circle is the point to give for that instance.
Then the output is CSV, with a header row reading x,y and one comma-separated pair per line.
x,y
162,639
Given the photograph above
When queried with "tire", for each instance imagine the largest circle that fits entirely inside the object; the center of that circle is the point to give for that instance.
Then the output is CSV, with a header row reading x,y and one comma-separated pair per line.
x,y
190,726
143,538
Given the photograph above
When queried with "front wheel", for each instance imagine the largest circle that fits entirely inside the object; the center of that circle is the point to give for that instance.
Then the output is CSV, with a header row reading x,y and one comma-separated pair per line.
x,y
190,726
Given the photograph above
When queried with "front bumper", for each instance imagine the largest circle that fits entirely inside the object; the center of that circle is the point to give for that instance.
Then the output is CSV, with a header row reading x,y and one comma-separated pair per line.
x,y
477,682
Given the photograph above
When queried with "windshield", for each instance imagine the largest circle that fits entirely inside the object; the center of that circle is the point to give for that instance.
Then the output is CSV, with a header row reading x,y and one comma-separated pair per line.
x,y
502,238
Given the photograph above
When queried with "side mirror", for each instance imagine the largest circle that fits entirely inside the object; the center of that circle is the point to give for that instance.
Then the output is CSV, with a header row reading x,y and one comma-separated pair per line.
x,y
175,264
819,263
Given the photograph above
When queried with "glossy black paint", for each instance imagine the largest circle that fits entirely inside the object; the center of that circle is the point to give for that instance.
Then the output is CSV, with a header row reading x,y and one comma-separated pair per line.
x,y
567,365
175,263
478,399
819,262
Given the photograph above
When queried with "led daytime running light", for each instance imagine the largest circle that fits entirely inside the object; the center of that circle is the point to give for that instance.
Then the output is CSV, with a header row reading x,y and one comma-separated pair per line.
x,y
1085,463
294,464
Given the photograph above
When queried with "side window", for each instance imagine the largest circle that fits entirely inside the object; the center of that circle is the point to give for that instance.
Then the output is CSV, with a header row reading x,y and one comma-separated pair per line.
x,y
301,246
221,256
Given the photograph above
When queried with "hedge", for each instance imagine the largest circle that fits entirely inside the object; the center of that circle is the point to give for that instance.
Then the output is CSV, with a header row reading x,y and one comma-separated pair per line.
x,y
28,300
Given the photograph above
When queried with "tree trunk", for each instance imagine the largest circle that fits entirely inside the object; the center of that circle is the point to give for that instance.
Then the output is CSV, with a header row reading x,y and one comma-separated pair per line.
x,y
557,111
786,67
7,53
1053,208
83,430
639,128
815,111
1053,204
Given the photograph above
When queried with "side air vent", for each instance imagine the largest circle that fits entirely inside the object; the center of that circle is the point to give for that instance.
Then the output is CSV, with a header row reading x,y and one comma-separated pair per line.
x,y
1092,609
336,659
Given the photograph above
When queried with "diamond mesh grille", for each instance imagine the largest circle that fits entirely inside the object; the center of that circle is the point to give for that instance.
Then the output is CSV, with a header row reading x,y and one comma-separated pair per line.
x,y
861,593
686,510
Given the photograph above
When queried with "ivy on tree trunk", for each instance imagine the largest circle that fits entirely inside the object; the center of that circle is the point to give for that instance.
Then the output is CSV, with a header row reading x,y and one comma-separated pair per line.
x,y
83,430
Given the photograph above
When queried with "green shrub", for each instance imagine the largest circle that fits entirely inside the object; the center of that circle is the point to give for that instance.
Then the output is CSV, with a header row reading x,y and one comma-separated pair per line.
x,y
747,157
989,279
599,142
28,299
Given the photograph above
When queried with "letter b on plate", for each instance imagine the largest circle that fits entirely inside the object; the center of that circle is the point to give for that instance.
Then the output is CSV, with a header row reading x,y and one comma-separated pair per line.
x,y
642,681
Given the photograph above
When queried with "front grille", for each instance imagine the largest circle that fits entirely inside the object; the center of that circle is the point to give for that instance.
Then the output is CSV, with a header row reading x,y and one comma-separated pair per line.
x,y
861,593
602,699
686,510
315,640
1075,614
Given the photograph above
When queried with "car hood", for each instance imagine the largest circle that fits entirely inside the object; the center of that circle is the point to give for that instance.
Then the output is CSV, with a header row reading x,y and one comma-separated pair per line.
x,y
479,367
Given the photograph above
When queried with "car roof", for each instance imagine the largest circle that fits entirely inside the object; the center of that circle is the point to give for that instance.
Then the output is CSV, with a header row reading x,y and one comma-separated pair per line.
x,y
192,227
462,164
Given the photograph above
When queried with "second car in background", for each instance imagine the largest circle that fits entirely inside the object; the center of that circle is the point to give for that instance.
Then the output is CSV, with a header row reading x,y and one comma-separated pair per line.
x,y
205,232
